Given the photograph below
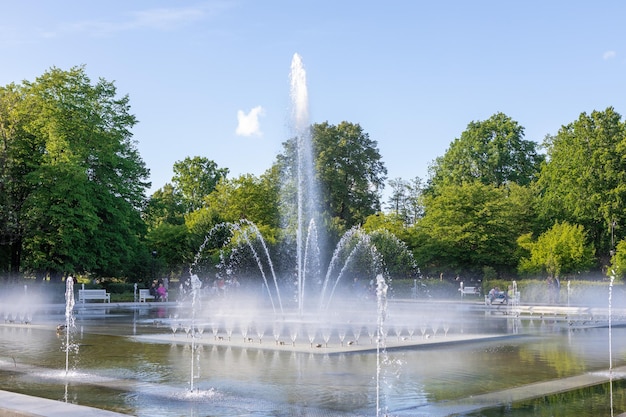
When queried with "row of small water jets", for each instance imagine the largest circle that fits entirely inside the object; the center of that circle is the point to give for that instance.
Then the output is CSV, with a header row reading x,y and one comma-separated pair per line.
x,y
315,334
17,312
575,320
18,317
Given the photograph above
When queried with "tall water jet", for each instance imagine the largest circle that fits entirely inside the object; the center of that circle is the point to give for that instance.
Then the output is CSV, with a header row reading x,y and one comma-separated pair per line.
x,y
612,277
69,319
381,296
306,183
196,284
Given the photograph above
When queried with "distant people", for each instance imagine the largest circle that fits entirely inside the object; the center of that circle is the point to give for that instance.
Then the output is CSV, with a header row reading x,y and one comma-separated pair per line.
x,y
161,293
496,294
153,289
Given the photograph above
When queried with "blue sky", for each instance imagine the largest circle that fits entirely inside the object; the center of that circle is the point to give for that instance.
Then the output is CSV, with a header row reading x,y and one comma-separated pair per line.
x,y
413,74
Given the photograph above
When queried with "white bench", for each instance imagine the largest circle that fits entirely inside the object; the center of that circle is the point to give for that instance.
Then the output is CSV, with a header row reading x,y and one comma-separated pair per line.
x,y
84,295
469,291
145,295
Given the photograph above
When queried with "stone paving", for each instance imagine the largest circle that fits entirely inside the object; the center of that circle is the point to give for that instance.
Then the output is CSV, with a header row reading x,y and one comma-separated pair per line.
x,y
20,405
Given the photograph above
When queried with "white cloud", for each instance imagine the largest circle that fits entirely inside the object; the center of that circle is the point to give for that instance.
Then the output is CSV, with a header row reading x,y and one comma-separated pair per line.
x,y
154,19
161,19
248,124
609,55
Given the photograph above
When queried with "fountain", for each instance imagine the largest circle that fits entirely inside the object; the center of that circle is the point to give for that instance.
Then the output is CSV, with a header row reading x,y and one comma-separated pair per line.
x,y
195,301
314,313
307,195
330,352
130,361
69,326
610,326
381,296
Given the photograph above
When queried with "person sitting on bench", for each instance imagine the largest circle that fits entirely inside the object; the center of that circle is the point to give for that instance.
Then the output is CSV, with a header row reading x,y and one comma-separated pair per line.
x,y
161,293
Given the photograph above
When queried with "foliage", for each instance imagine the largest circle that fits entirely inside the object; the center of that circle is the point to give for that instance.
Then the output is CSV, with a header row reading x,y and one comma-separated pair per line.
x,y
382,221
397,259
177,214
164,206
350,171
194,179
247,197
170,242
618,261
467,227
18,158
574,291
77,180
404,200
584,180
560,250
72,195
430,288
493,152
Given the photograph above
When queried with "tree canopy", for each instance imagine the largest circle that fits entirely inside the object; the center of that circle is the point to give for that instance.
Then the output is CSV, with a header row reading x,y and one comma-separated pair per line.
x,y
74,179
195,178
72,193
584,179
493,152
351,172
560,250
467,227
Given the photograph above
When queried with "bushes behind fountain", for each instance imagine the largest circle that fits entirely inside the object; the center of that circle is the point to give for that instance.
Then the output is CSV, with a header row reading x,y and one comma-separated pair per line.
x,y
40,292
578,292
533,291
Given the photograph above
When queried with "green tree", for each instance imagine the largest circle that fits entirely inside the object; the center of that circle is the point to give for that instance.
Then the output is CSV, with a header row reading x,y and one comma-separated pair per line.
x,y
467,227
247,197
167,235
398,260
584,179
85,181
381,221
165,206
404,200
560,250
350,170
493,152
20,155
171,245
194,179
236,208
618,261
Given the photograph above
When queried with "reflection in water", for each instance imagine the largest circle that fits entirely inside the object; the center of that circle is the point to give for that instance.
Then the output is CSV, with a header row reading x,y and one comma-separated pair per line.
x,y
590,401
147,379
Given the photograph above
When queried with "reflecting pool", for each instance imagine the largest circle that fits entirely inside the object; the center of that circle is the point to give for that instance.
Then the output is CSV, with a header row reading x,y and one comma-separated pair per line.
x,y
439,360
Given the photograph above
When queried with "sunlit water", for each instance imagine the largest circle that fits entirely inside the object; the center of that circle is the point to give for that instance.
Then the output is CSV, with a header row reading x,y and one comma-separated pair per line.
x,y
115,371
